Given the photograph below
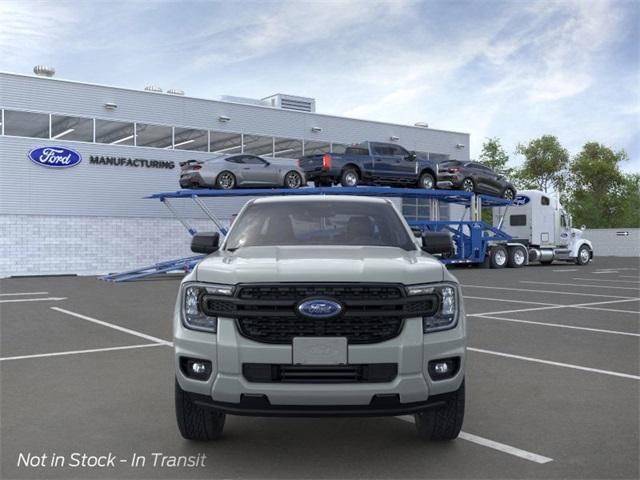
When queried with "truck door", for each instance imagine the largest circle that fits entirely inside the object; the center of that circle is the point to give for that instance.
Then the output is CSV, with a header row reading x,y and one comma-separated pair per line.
x,y
565,230
404,167
383,160
255,170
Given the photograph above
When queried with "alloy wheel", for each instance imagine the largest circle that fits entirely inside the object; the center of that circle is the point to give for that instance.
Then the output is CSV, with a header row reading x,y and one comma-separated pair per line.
x,y
293,180
226,181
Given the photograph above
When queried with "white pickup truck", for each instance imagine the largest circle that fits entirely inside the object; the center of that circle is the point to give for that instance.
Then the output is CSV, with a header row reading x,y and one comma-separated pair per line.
x,y
319,306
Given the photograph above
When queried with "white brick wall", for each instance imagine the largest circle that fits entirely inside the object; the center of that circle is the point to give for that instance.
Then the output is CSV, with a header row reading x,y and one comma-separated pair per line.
x,y
49,245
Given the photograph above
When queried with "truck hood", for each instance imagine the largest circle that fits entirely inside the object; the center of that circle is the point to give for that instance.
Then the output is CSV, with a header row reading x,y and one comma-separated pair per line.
x,y
320,264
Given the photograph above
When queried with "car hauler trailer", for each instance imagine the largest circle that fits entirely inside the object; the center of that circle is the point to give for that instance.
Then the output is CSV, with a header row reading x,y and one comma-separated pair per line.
x,y
475,241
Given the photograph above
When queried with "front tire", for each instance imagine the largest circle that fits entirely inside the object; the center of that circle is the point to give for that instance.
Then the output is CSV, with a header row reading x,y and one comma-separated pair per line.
x,y
349,178
427,181
584,255
442,423
226,180
293,180
194,421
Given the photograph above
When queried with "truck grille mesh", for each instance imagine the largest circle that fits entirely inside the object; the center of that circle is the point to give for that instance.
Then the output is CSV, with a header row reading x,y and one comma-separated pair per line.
x,y
372,312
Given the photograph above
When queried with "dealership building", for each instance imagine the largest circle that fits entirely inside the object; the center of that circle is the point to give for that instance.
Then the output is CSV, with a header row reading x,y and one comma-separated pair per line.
x,y
92,217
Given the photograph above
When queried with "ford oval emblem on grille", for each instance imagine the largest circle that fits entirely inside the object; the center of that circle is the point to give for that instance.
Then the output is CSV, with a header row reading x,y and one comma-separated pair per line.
x,y
319,308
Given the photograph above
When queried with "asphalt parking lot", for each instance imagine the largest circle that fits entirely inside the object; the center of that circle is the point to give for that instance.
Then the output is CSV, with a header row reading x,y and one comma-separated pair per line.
x,y
552,386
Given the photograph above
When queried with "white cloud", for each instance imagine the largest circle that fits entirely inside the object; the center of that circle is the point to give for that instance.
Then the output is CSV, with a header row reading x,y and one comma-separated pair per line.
x,y
32,29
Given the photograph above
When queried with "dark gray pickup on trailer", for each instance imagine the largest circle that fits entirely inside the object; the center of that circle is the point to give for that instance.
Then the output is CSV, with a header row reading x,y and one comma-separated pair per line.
x,y
371,163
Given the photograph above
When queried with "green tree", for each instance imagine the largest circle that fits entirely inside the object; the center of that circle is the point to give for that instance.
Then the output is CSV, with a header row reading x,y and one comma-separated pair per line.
x,y
494,156
545,164
600,195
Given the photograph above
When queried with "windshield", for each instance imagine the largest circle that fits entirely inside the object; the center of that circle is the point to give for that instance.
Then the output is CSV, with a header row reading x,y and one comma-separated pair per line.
x,y
322,222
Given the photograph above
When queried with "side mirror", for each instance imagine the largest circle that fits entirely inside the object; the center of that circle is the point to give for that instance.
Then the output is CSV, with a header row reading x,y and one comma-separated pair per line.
x,y
205,242
437,243
412,156
583,228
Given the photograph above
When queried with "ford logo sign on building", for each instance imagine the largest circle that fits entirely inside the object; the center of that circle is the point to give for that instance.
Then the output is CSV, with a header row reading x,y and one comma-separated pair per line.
x,y
320,308
55,157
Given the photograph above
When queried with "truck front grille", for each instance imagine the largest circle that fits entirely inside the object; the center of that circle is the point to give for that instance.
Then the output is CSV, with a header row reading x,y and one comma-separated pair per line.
x,y
371,312
284,329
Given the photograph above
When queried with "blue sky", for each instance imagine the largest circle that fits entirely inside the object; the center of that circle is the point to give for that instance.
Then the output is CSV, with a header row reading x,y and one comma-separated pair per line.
x,y
515,69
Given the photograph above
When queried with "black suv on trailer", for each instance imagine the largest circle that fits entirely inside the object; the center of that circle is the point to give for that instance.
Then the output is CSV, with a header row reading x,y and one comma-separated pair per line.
x,y
474,177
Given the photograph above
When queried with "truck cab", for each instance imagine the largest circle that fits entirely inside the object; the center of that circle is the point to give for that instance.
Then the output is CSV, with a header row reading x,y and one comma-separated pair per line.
x,y
538,221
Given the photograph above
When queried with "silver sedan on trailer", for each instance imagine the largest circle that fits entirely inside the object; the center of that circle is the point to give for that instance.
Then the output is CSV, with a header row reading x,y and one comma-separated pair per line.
x,y
241,170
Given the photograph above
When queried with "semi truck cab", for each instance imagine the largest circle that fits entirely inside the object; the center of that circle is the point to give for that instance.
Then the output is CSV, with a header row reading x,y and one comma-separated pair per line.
x,y
538,221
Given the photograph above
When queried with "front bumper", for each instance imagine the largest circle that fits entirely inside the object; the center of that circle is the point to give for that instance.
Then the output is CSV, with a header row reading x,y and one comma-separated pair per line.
x,y
411,390
380,406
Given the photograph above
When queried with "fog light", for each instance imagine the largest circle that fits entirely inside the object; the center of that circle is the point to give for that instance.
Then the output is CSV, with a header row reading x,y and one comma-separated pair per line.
x,y
199,368
440,368
195,368
444,368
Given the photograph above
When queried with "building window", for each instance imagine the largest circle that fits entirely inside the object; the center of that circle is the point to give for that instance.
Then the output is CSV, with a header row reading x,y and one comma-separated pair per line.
x,y
258,145
190,139
114,133
315,148
225,142
157,136
287,148
71,128
26,124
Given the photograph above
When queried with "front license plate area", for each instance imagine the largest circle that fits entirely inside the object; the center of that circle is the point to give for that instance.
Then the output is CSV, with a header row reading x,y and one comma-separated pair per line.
x,y
320,351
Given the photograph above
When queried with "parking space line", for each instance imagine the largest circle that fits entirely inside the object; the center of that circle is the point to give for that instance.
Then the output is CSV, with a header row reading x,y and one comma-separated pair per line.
x,y
529,290
582,285
20,300
501,447
628,276
588,306
555,364
115,327
519,310
77,352
511,301
23,293
559,325
567,270
604,280
632,312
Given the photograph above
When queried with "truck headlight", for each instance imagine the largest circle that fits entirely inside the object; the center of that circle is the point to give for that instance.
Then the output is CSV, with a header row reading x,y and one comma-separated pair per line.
x,y
193,317
446,317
